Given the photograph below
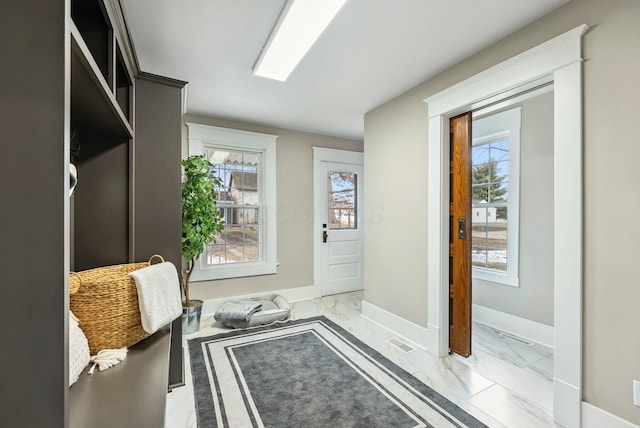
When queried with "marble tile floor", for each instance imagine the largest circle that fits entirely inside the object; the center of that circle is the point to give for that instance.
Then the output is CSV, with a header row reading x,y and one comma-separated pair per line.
x,y
480,385
525,369
530,356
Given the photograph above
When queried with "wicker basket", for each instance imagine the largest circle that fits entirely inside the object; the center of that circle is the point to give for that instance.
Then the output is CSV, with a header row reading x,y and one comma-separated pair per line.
x,y
105,301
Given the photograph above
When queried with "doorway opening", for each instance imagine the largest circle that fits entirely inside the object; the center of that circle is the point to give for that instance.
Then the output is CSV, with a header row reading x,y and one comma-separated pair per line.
x,y
509,251
558,61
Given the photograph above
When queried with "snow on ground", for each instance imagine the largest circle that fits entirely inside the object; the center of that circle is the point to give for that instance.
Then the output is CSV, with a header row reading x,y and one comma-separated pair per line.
x,y
492,257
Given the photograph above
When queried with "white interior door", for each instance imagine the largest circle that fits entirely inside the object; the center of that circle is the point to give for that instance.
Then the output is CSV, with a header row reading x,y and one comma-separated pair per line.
x,y
340,186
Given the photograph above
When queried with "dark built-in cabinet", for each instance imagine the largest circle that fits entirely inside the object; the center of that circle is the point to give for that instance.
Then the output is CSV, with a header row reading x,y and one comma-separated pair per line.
x,y
102,138
72,92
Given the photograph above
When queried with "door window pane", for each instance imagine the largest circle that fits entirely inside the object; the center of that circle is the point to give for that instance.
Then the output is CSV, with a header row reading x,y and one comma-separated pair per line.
x,y
343,200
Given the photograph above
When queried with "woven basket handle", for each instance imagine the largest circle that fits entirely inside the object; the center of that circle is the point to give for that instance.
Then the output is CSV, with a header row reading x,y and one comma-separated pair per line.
x,y
154,256
74,286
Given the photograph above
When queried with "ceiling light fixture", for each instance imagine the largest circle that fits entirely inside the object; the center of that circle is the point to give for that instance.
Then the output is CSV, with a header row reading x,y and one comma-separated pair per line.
x,y
299,26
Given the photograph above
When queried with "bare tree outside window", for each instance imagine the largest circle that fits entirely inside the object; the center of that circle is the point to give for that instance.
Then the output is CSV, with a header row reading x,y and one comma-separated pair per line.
x,y
342,193
490,178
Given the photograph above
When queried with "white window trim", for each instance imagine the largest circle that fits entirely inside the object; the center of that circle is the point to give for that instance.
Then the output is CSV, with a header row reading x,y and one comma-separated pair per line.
x,y
201,136
506,123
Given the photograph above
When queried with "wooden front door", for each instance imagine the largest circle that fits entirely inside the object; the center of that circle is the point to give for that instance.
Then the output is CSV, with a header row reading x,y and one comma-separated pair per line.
x,y
460,236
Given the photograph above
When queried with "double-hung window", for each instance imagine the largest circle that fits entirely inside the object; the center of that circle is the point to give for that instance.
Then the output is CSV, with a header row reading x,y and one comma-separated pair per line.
x,y
245,163
495,196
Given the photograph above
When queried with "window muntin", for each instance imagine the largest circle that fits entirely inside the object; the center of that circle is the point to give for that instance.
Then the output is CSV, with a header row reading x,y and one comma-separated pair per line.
x,y
240,201
490,196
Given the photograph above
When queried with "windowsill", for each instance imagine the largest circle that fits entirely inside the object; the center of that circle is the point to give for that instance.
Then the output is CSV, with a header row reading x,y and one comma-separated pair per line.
x,y
495,277
239,270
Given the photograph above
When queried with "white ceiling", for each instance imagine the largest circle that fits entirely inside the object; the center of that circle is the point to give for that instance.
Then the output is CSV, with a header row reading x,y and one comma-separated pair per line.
x,y
373,51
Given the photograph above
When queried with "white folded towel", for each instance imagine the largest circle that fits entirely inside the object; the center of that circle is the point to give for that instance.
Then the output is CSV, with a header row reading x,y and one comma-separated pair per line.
x,y
159,295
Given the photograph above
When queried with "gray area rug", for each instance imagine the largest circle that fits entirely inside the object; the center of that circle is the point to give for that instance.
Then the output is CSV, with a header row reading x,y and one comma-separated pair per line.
x,y
309,373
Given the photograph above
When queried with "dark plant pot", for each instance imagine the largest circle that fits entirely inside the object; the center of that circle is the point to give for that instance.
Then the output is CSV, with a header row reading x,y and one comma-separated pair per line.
x,y
191,317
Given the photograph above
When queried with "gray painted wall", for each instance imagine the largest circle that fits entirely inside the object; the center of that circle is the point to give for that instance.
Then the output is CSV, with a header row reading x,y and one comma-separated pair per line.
x,y
533,299
294,183
396,135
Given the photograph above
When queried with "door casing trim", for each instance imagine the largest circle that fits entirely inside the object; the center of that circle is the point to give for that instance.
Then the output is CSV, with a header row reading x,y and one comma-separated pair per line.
x,y
558,60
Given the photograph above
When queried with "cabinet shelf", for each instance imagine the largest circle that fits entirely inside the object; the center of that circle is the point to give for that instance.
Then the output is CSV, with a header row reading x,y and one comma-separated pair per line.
x,y
124,85
95,108
90,18
102,211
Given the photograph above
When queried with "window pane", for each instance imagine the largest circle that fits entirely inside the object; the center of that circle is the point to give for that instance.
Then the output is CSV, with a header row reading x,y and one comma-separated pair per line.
x,y
480,154
497,259
214,254
479,236
243,216
501,215
489,237
479,224
251,253
479,256
238,172
480,193
499,192
490,165
480,173
235,253
239,201
232,235
243,187
500,150
250,160
501,170
236,244
342,194
250,234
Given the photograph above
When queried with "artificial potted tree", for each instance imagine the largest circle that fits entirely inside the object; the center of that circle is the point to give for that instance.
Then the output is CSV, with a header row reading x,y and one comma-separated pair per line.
x,y
201,221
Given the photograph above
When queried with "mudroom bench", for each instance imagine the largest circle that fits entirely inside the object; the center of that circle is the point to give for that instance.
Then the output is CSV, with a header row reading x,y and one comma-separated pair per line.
x,y
130,394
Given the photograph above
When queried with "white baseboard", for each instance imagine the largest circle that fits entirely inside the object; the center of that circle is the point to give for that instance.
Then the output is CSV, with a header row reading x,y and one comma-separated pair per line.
x,y
566,404
404,329
433,342
521,327
298,294
595,417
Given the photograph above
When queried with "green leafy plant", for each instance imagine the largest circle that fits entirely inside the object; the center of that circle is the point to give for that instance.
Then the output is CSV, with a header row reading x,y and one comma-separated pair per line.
x,y
201,220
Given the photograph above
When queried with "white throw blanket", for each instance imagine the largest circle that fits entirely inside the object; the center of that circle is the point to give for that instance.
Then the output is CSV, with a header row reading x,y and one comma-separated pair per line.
x,y
159,295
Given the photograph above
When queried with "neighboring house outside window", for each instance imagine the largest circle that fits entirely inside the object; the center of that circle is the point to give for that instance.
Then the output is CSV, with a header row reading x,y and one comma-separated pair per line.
x,y
495,197
245,164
